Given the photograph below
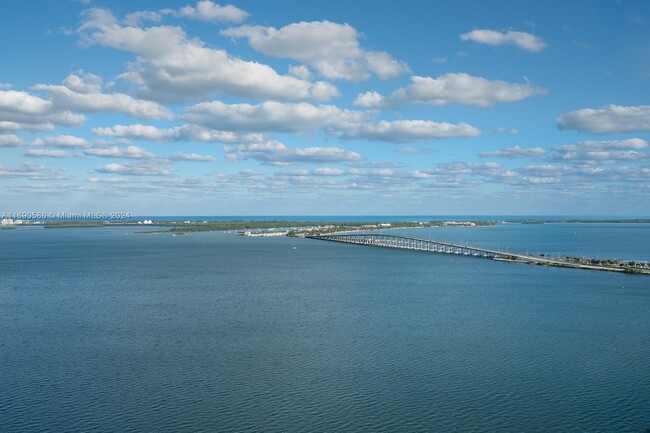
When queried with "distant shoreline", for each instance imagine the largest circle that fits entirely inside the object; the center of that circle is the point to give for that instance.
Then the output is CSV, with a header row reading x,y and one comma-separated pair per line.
x,y
243,224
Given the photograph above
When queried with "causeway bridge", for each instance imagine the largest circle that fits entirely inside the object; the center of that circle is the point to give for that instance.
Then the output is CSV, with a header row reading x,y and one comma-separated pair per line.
x,y
416,244
433,246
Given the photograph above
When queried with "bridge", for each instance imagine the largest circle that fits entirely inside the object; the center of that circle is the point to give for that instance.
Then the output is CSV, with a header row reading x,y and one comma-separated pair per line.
x,y
415,244
433,246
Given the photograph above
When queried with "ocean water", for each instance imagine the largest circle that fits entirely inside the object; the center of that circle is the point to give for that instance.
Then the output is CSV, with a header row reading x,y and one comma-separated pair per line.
x,y
103,330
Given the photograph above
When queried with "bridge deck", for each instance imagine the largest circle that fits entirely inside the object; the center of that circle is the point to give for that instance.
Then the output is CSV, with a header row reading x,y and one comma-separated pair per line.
x,y
433,246
414,243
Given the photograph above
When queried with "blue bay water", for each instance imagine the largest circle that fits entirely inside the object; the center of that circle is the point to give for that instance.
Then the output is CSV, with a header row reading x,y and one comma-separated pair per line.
x,y
103,330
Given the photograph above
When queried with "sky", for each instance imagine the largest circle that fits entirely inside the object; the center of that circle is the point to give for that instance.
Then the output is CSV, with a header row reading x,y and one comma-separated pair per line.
x,y
330,108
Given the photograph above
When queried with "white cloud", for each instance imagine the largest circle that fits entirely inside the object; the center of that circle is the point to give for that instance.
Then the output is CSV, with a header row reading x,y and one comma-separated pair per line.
x,y
546,174
30,171
10,140
457,168
271,116
300,71
180,156
83,93
304,117
206,10
180,133
23,103
608,120
502,130
407,131
134,169
523,40
324,171
45,153
16,127
20,110
107,179
414,150
276,153
602,152
139,132
331,49
514,152
130,152
545,169
372,99
463,89
170,66
136,18
64,141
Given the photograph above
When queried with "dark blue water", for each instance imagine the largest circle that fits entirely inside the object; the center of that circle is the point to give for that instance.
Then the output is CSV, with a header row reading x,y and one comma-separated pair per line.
x,y
101,330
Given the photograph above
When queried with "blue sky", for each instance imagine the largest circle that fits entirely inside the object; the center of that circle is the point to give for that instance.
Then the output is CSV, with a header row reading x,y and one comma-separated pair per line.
x,y
287,107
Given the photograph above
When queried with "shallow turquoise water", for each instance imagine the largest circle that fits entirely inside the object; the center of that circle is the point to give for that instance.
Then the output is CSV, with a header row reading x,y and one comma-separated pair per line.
x,y
107,331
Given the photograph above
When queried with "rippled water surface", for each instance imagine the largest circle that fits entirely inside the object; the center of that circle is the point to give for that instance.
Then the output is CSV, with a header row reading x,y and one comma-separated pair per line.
x,y
101,330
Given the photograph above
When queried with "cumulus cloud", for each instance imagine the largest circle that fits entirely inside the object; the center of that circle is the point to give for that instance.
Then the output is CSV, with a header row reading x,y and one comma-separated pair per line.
x,y
271,116
83,92
323,171
304,117
330,48
276,153
136,18
464,168
30,171
180,133
462,88
134,169
602,152
372,99
502,130
180,156
22,111
171,66
300,71
65,141
514,152
414,150
205,10
523,40
545,169
406,131
10,140
107,179
129,152
608,120
45,153
543,174
636,175
6,127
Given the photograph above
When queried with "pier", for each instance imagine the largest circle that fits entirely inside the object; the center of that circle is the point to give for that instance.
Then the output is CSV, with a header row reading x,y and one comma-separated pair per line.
x,y
440,247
